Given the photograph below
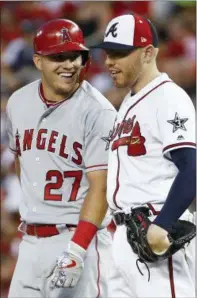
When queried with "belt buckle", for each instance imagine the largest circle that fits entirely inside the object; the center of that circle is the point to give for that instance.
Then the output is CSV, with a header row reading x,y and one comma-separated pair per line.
x,y
61,228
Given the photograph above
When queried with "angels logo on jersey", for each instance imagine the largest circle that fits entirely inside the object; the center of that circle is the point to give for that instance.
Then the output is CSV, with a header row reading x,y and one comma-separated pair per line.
x,y
134,142
47,140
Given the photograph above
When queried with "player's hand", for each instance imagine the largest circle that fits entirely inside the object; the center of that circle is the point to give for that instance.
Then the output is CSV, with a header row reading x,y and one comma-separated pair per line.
x,y
157,239
68,270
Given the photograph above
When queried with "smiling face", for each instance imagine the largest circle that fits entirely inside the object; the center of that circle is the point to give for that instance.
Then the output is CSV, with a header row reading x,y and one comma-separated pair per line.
x,y
60,73
125,66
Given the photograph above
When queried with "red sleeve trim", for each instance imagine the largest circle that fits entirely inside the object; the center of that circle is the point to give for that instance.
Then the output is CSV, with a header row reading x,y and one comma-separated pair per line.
x,y
179,144
95,166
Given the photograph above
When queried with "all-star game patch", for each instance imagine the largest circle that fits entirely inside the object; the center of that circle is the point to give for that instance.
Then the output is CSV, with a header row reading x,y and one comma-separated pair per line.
x,y
178,123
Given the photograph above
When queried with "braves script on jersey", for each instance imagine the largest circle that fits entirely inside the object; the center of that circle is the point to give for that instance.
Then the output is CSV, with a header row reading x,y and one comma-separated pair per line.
x,y
57,145
149,125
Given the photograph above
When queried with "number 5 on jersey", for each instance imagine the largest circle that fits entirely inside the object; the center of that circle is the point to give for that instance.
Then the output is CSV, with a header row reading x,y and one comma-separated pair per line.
x,y
48,196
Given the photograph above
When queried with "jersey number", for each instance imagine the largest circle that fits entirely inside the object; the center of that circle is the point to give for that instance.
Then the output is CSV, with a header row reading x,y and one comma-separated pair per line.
x,y
48,196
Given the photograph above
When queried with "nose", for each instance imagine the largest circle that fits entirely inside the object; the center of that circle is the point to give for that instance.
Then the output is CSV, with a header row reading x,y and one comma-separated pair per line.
x,y
67,64
109,61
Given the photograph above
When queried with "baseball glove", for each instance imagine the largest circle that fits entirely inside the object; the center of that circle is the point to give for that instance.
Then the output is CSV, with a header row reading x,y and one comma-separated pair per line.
x,y
137,224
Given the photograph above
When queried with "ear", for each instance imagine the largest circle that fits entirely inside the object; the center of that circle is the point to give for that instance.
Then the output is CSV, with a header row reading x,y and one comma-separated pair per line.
x,y
37,61
149,54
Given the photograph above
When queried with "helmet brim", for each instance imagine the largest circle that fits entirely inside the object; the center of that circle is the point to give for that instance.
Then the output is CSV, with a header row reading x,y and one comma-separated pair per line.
x,y
113,46
62,48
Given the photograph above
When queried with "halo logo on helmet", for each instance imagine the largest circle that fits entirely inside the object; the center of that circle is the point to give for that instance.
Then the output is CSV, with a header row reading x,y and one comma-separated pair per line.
x,y
65,35
60,36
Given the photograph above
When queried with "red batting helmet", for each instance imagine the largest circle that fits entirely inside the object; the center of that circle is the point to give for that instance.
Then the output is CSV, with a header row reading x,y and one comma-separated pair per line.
x,y
60,36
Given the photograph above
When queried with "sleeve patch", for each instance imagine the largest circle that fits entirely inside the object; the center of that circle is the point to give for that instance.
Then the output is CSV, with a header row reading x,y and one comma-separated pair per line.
x,y
178,123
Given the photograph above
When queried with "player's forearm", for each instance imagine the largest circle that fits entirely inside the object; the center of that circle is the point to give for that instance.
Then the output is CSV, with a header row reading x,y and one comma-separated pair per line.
x,y
94,207
183,189
92,213
93,210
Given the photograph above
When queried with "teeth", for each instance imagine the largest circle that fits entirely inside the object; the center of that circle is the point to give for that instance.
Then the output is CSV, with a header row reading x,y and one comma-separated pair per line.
x,y
67,75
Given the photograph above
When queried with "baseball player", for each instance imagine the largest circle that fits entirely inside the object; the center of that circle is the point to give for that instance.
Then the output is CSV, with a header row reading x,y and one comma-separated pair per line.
x,y
151,162
58,128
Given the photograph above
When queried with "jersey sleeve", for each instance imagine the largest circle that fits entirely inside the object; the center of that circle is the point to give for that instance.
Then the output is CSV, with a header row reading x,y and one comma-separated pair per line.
x,y
176,120
97,140
12,143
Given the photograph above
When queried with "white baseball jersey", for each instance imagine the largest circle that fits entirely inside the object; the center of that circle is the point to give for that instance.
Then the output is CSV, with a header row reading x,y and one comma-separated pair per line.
x,y
149,124
57,145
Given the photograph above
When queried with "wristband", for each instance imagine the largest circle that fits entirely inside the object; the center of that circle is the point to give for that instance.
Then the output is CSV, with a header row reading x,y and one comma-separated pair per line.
x,y
84,233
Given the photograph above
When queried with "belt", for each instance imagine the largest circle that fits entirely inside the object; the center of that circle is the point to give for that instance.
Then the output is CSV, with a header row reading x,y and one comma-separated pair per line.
x,y
46,230
121,217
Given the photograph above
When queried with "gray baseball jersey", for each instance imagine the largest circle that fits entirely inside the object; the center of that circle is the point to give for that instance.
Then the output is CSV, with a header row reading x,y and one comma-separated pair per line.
x,y
57,145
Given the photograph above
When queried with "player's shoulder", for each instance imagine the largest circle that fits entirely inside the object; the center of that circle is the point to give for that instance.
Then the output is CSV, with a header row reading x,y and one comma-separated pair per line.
x,y
95,98
172,91
24,93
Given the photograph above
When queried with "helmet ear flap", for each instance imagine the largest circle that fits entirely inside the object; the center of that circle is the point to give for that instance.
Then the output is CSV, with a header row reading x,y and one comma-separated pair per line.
x,y
85,57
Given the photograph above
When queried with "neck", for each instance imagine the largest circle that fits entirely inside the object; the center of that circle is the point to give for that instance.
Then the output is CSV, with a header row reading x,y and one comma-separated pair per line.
x,y
51,96
145,78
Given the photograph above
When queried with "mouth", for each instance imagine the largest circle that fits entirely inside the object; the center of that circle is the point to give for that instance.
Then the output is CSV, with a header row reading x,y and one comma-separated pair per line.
x,y
66,75
114,72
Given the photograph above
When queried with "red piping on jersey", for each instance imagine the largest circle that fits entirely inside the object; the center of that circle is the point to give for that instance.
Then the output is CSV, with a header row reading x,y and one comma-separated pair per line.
x,y
118,170
103,165
43,98
98,266
171,276
50,103
179,144
117,182
145,96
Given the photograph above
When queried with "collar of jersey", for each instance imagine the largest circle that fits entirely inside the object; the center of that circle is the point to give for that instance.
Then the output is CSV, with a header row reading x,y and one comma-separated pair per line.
x,y
157,81
50,103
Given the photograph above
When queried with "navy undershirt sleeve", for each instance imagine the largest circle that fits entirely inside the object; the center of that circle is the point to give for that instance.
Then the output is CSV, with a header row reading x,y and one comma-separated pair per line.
x,y
183,189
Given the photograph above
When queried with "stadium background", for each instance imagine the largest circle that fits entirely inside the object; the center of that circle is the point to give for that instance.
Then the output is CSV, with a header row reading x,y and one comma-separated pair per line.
x,y
175,22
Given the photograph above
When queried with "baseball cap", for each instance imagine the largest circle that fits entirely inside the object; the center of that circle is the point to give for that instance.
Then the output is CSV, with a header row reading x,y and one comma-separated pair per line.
x,y
127,32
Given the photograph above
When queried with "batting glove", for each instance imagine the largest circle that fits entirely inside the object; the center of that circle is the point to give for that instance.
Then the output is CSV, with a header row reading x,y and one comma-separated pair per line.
x,y
69,267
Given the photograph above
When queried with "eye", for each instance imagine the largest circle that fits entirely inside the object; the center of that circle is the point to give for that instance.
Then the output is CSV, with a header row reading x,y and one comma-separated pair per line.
x,y
115,54
56,58
74,57
63,57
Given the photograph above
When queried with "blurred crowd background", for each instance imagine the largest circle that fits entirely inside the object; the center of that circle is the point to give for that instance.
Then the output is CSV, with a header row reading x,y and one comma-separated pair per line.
x,y
176,25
